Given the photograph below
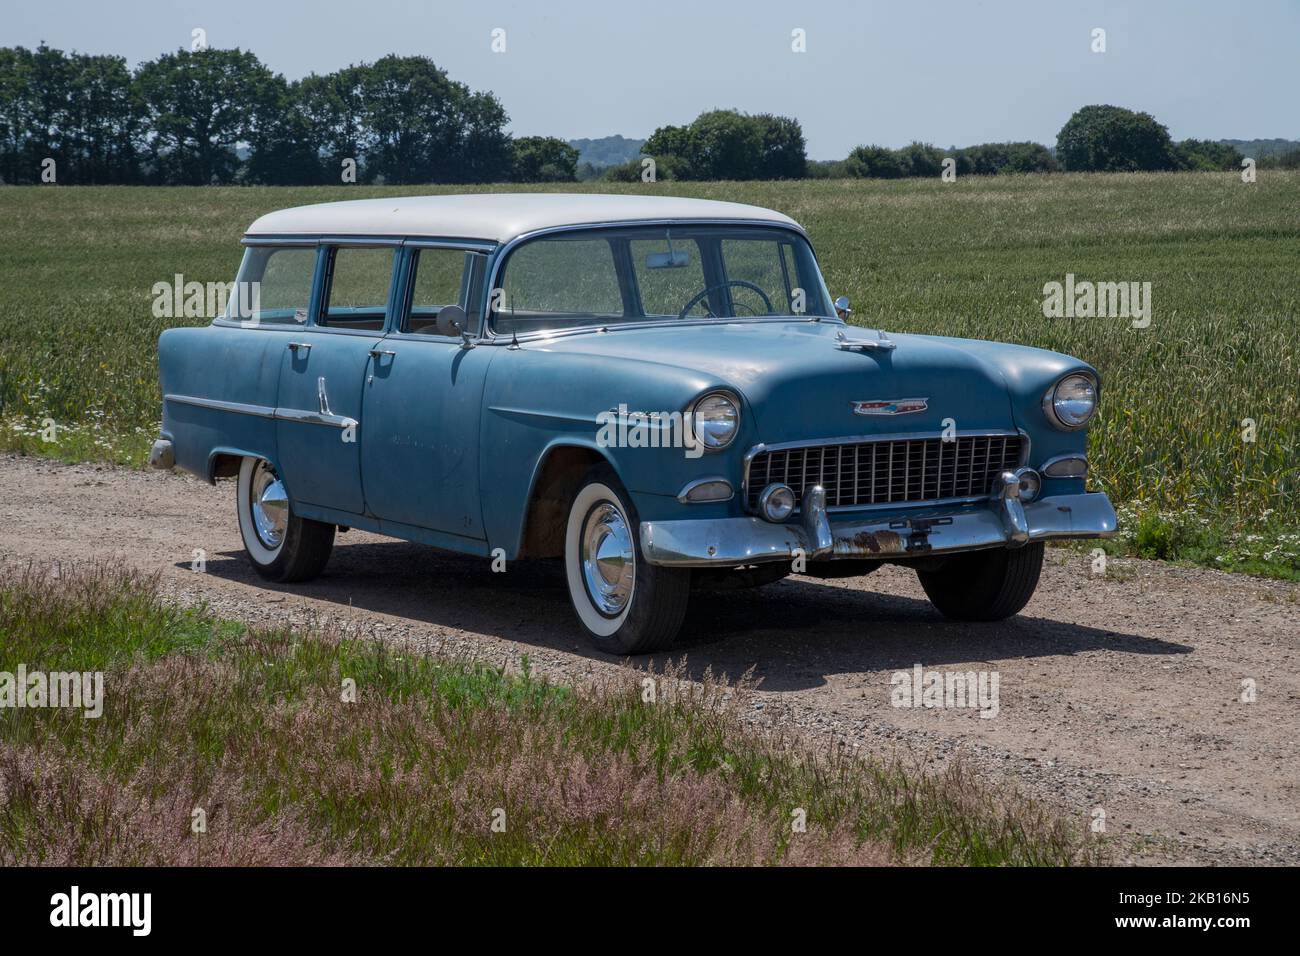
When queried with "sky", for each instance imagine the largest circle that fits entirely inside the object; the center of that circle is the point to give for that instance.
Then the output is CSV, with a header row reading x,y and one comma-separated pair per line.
x,y
948,72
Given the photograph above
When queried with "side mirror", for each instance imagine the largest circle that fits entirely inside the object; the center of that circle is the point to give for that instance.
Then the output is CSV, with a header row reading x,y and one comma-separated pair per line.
x,y
842,307
453,321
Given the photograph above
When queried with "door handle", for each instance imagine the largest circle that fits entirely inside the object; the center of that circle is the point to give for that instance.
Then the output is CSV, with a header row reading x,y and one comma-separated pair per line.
x,y
295,346
377,353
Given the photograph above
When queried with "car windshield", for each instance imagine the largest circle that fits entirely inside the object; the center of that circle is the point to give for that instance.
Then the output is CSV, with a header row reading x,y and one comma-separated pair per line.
x,y
604,276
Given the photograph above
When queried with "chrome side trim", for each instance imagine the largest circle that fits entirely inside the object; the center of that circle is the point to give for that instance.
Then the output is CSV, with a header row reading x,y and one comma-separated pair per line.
x,y
262,411
239,408
730,542
307,417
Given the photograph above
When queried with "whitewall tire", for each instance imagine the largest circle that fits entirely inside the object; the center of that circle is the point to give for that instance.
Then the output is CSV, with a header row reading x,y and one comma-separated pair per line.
x,y
625,605
280,545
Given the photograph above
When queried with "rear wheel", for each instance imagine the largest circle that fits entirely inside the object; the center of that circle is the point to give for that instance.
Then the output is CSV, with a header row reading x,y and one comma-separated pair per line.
x,y
280,545
626,605
984,585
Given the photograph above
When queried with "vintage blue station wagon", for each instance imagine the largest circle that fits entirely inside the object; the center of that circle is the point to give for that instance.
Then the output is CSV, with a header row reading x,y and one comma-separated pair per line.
x,y
658,391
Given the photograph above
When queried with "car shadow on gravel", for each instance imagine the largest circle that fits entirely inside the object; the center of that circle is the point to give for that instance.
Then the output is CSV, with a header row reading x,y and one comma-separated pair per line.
x,y
793,634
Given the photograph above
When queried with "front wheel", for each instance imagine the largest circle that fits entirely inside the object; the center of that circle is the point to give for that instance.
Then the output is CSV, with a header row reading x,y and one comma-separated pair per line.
x,y
984,585
625,604
280,545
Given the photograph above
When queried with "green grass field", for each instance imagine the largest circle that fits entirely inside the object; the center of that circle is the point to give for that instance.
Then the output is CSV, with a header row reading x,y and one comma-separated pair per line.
x,y
78,341
431,760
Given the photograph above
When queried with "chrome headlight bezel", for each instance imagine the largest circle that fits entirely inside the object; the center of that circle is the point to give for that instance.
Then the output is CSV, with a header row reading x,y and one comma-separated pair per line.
x,y
729,397
1049,402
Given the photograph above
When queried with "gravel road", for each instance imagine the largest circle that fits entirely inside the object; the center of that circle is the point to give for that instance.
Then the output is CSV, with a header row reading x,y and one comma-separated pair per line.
x,y
1121,692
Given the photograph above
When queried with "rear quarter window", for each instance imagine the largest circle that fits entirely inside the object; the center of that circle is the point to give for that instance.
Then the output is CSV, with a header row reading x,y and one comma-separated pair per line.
x,y
274,286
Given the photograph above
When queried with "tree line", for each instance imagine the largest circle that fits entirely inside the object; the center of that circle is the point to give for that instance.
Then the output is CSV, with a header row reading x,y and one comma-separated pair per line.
x,y
221,116
725,144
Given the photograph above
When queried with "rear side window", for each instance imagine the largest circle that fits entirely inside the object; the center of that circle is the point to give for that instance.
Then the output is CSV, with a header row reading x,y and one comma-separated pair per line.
x,y
273,286
443,277
358,286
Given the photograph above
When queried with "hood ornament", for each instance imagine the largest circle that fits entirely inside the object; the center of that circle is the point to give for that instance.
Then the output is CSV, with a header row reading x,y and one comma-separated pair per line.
x,y
890,406
882,343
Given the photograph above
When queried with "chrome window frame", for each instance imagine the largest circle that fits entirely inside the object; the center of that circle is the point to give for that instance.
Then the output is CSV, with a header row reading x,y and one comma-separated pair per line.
x,y
502,254
408,268
322,243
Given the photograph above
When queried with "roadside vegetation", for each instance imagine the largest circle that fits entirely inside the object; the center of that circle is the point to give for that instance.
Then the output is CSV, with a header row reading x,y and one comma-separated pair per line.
x,y
1174,444
251,728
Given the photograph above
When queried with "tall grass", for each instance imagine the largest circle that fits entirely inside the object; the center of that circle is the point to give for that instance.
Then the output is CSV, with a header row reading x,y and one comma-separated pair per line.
x,y
251,728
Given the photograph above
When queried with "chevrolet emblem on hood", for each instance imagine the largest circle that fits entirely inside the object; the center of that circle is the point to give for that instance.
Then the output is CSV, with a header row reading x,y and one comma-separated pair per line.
x,y
890,406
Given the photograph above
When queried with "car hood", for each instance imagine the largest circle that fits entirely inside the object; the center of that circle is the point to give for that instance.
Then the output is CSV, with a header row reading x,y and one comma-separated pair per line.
x,y
799,385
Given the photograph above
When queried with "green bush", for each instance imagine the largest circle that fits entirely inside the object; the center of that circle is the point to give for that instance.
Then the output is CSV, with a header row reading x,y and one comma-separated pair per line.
x,y
876,162
1206,155
1155,537
543,159
1113,139
729,145
921,159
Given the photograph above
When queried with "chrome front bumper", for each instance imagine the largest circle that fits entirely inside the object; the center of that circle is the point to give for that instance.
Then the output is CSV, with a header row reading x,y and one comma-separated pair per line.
x,y
1005,522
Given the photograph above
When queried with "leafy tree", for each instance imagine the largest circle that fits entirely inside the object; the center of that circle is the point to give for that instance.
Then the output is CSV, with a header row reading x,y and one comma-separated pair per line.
x,y
989,159
423,127
544,159
17,108
78,110
484,154
876,162
672,141
1207,155
333,113
784,153
103,121
200,105
284,151
921,159
1113,139
727,144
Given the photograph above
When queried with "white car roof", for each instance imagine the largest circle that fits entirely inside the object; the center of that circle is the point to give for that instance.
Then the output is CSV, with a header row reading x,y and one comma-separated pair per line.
x,y
499,217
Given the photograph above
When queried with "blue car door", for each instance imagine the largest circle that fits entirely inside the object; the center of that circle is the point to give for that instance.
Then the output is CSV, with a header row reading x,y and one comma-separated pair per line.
x,y
323,374
423,401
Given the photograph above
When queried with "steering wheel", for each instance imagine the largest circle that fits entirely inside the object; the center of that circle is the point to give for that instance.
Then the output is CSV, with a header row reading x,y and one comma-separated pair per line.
x,y
699,296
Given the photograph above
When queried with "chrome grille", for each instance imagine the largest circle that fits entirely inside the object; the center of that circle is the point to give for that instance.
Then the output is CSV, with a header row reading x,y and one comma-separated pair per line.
x,y
888,471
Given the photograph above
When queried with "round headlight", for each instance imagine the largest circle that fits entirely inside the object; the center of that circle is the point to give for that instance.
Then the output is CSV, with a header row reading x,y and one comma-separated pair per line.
x,y
1030,483
776,503
715,419
1071,402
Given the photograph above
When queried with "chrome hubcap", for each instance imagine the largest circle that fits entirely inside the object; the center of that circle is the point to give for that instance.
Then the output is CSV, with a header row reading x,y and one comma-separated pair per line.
x,y
608,562
269,506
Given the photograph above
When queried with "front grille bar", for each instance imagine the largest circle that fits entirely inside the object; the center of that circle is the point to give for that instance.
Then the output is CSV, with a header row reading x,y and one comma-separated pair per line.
x,y
911,469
